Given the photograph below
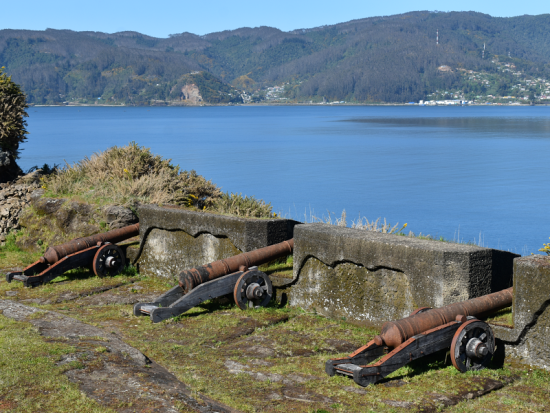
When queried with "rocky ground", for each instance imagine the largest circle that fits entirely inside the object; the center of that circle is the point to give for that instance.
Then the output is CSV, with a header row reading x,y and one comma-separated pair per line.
x,y
219,358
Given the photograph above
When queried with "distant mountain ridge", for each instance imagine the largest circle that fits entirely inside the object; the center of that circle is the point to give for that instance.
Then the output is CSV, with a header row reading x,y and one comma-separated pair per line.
x,y
377,59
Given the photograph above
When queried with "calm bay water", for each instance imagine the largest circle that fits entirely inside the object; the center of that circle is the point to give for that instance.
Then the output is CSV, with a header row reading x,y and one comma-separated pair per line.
x,y
470,173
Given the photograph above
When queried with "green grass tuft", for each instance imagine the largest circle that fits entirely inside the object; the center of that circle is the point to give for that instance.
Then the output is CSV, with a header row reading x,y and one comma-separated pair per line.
x,y
131,174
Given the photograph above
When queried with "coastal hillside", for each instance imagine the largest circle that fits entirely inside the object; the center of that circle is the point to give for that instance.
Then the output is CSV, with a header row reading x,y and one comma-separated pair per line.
x,y
396,58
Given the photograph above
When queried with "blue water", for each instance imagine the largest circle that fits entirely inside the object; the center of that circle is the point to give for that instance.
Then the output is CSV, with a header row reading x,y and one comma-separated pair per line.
x,y
465,173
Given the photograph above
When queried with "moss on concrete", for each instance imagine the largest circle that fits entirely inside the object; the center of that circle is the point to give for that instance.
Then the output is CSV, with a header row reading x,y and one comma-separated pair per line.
x,y
167,253
351,291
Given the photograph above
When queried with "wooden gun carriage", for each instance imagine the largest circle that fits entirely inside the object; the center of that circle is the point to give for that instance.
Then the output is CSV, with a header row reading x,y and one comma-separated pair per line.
x,y
424,332
97,251
237,275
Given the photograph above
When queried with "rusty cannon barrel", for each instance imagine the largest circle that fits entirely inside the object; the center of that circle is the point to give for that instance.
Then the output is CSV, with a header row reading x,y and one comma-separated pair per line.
x,y
189,279
54,254
397,332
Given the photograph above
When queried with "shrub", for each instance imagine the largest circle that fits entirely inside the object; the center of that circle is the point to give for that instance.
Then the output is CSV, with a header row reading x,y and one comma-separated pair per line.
x,y
12,114
129,175
132,174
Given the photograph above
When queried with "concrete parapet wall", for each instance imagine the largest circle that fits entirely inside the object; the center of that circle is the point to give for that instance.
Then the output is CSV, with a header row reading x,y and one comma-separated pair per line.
x,y
174,239
529,339
371,277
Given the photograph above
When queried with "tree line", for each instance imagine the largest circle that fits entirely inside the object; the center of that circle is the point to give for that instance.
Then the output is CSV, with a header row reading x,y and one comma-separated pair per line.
x,y
379,59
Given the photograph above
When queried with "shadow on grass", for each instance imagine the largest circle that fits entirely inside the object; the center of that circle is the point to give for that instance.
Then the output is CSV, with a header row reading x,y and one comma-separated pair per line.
x,y
439,361
85,273
222,303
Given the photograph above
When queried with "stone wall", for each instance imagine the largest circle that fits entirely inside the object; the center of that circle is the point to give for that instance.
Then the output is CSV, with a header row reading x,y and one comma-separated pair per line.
x,y
174,239
14,199
370,278
529,339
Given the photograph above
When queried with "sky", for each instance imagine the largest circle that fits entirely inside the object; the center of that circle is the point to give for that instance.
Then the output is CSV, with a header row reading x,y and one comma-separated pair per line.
x,y
164,17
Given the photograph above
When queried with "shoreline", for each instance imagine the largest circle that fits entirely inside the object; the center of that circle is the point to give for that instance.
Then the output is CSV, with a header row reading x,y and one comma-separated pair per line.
x,y
289,104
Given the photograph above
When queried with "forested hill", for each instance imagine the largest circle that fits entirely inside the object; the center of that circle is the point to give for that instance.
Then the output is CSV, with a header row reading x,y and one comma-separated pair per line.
x,y
379,59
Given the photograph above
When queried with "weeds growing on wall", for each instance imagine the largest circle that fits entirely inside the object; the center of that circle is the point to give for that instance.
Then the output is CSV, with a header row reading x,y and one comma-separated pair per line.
x,y
131,174
362,223
385,227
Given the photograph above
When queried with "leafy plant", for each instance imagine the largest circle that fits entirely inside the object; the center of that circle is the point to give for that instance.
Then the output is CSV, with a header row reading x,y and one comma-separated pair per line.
x,y
546,248
12,115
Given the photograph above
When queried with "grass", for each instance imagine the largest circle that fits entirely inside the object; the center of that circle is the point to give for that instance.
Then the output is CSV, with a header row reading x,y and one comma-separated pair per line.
x,y
385,227
131,174
281,267
74,282
503,317
128,175
12,256
298,347
361,223
236,204
30,380
272,344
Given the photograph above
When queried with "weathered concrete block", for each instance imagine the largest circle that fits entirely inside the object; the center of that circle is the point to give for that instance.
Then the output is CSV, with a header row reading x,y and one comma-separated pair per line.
x,y
371,277
529,339
174,239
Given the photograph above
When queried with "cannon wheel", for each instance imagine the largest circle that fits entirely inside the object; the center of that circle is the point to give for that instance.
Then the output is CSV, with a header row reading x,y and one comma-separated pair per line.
x,y
253,289
108,261
468,339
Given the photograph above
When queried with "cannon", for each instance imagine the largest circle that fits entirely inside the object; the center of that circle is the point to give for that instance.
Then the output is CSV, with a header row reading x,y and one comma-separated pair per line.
x,y
426,331
237,275
96,251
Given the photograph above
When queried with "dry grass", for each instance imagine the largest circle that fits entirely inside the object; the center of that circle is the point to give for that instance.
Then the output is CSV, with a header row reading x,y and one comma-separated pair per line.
x,y
387,228
377,226
131,174
248,207
362,223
